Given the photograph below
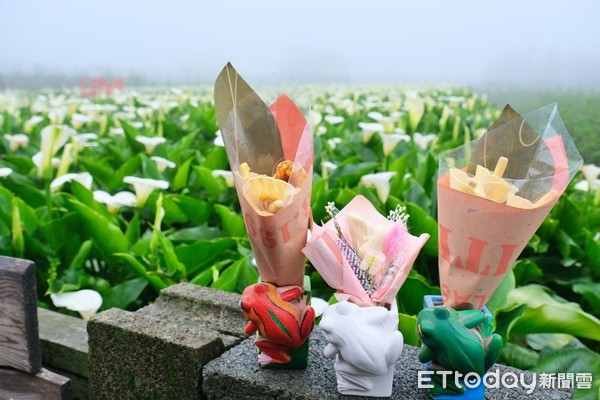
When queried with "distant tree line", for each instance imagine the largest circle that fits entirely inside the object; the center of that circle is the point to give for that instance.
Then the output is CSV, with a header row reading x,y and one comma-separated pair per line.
x,y
42,79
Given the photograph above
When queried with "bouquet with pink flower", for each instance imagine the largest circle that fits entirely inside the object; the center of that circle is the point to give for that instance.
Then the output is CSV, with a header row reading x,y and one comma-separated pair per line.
x,y
363,255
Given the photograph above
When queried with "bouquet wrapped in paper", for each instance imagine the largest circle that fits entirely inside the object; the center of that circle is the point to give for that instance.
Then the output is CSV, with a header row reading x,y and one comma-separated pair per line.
x,y
270,152
493,194
366,258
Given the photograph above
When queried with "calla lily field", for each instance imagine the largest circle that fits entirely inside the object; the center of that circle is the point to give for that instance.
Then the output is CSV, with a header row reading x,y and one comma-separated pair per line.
x,y
126,194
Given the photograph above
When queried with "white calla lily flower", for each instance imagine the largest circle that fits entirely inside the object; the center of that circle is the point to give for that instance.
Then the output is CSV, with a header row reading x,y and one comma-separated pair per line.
x,y
83,140
83,177
37,160
219,141
334,119
144,112
583,186
78,120
144,187
137,124
17,141
591,172
333,142
53,138
113,132
5,171
381,182
32,122
349,106
386,122
369,128
66,160
122,116
375,115
395,115
162,163
329,166
57,115
416,109
314,118
369,104
227,175
125,198
150,143
319,305
113,203
321,130
86,302
390,140
423,140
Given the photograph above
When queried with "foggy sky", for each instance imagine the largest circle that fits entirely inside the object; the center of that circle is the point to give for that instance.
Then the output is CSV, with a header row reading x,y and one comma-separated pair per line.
x,y
512,42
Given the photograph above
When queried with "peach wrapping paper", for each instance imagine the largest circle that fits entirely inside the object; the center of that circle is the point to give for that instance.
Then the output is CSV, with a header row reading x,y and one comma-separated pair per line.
x,y
327,258
479,239
277,240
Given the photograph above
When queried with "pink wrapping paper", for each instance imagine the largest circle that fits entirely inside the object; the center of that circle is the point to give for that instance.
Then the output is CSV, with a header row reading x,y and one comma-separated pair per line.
x,y
479,239
262,137
327,258
277,240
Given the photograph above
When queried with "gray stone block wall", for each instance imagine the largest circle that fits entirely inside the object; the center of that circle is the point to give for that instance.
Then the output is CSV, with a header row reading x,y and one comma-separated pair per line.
x,y
236,376
190,344
158,351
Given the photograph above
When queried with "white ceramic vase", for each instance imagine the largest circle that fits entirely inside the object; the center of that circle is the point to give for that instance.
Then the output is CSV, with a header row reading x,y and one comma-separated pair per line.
x,y
366,343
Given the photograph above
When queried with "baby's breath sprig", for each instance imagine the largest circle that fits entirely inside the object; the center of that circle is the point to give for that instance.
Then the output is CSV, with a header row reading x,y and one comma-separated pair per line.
x,y
332,210
399,214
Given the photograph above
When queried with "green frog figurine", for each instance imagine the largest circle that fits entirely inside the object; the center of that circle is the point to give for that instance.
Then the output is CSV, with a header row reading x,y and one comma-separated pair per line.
x,y
461,341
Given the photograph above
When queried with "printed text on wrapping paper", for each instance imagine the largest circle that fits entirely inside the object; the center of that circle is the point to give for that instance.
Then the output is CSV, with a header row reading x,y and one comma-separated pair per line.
x,y
473,262
272,238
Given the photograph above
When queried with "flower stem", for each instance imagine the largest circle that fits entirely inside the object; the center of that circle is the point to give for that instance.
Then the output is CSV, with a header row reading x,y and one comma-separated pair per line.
x,y
48,198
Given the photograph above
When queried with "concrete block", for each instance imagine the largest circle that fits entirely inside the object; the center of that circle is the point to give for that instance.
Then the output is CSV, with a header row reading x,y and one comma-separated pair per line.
x,y
236,376
211,310
158,351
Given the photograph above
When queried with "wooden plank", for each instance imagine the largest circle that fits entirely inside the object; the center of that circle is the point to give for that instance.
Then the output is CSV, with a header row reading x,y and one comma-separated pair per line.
x,y
45,385
19,338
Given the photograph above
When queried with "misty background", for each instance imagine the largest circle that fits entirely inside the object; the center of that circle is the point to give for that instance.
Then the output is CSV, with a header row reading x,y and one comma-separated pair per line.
x,y
498,46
